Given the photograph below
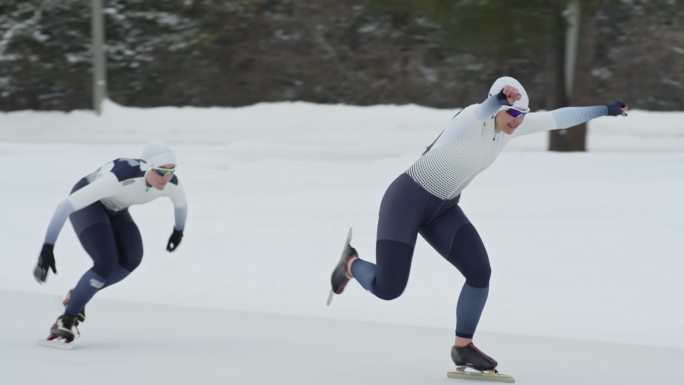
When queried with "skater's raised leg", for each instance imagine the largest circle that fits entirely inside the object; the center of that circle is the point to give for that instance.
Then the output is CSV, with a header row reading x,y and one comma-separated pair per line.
x,y
387,278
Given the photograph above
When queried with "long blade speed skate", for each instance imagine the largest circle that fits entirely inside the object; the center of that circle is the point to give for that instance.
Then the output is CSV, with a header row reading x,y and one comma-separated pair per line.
x,y
339,279
63,331
472,374
56,343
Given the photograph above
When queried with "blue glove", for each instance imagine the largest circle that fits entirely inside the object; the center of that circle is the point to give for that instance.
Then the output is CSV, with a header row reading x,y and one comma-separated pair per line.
x,y
615,108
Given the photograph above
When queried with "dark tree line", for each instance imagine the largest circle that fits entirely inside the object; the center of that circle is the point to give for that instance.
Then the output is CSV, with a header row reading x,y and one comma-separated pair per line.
x,y
432,52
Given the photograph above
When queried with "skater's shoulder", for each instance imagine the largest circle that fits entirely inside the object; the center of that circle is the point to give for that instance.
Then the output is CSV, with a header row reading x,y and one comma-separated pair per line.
x,y
126,168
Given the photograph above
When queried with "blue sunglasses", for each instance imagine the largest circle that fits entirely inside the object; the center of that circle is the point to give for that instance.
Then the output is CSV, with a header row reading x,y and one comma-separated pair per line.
x,y
515,113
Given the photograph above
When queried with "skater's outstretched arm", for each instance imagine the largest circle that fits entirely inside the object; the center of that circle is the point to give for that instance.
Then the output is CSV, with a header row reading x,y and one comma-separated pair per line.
x,y
569,116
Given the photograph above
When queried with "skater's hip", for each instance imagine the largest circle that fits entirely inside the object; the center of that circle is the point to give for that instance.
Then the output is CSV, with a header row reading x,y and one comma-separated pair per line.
x,y
406,207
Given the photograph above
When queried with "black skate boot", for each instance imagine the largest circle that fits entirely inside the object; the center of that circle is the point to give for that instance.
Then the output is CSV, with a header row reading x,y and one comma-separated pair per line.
x,y
80,317
340,276
63,328
472,357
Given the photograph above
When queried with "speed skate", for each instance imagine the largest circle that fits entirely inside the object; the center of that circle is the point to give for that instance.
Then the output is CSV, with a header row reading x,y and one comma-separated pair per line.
x,y
339,278
56,343
472,374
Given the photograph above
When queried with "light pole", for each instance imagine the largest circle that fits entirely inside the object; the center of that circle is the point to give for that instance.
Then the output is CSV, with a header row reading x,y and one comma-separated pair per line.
x,y
99,78
572,16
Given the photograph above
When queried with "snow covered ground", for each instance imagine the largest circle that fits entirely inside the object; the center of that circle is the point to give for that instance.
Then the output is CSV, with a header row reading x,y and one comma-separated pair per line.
x,y
586,250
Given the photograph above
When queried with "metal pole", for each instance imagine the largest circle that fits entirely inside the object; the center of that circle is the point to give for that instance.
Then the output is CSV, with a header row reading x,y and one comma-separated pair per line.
x,y
572,15
99,80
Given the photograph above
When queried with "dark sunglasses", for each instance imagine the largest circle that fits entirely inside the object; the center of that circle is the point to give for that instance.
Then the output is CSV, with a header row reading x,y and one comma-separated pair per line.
x,y
515,113
164,171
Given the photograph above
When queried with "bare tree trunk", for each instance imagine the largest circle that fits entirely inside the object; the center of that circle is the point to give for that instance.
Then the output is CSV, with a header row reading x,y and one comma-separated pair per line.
x,y
569,139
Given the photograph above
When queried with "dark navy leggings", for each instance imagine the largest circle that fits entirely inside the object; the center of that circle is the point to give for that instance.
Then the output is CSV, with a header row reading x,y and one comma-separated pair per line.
x,y
112,240
408,210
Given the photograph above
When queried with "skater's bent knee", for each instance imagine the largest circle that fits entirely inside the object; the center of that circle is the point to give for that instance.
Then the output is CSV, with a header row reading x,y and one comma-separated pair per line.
x,y
389,295
392,269
130,263
479,278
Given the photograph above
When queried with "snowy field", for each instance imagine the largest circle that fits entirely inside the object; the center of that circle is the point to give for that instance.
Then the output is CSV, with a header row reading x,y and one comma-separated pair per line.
x,y
586,251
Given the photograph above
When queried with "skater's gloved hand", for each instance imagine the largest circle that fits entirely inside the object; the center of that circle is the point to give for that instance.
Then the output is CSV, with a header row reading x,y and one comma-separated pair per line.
x,y
174,240
508,95
617,107
45,260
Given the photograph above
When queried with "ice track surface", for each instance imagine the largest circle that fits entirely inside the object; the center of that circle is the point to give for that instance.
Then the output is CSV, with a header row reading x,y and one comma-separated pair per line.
x,y
157,344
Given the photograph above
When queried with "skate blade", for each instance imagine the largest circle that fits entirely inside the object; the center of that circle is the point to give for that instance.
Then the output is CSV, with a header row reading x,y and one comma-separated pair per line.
x,y
57,343
346,244
492,376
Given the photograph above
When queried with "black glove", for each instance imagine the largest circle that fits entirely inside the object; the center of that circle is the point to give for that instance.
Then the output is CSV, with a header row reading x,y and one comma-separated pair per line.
x,y
174,240
502,98
45,260
614,108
